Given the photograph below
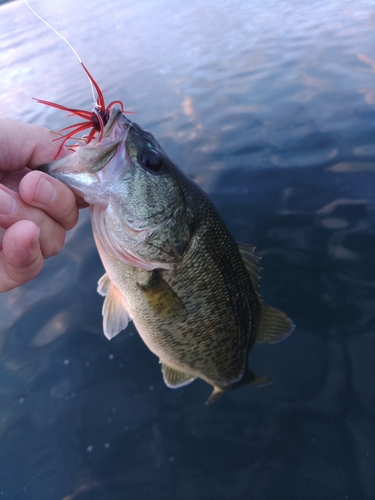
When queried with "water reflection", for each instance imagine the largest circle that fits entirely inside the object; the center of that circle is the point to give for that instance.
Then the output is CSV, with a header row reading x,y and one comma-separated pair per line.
x,y
66,390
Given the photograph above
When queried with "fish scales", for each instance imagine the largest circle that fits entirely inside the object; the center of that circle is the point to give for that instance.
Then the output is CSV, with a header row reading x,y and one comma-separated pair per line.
x,y
215,319
171,264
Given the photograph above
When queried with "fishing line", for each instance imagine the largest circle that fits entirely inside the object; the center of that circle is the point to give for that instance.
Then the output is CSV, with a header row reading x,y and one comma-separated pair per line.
x,y
66,41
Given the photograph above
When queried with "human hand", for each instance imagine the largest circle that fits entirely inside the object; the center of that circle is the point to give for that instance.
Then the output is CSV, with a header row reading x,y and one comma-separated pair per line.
x,y
36,210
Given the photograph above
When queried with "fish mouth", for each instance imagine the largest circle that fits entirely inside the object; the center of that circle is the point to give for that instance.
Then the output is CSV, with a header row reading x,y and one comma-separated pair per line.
x,y
107,174
95,155
84,170
98,153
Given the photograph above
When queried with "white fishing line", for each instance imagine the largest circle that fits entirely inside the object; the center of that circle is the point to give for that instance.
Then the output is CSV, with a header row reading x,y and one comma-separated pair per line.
x,y
66,41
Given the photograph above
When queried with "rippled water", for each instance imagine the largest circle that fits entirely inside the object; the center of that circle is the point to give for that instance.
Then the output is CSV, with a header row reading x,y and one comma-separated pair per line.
x,y
270,106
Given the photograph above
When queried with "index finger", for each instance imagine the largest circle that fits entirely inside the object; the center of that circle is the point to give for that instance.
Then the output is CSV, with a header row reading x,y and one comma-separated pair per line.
x,y
39,190
23,144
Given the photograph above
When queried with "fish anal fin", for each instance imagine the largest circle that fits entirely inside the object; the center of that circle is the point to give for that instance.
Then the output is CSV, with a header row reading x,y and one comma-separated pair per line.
x,y
250,259
274,325
174,378
115,315
216,393
159,295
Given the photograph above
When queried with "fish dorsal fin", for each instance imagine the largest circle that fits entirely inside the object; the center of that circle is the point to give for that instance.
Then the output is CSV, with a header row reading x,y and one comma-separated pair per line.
x,y
175,378
115,315
159,295
250,259
274,325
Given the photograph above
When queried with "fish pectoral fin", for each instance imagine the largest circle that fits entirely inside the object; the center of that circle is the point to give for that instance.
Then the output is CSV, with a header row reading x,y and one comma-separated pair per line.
x,y
103,285
175,378
115,315
160,296
274,325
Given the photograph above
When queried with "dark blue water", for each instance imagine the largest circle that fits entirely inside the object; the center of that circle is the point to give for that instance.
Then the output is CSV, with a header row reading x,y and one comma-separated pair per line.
x,y
270,106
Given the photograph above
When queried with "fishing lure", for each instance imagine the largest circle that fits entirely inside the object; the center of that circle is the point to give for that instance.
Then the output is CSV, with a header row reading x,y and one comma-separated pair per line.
x,y
95,119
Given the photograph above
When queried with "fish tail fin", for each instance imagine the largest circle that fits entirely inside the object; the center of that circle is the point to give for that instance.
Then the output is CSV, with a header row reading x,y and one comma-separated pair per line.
x,y
259,380
250,378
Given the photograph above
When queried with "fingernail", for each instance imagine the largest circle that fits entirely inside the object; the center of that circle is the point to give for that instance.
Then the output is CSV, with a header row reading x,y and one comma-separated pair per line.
x,y
7,203
45,192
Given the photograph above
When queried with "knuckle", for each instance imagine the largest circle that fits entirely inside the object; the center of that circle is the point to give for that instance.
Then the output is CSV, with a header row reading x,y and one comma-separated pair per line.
x,y
66,210
70,219
52,243
57,244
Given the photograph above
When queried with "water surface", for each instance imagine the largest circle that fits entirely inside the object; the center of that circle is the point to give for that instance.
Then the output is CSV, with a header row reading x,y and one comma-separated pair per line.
x,y
270,107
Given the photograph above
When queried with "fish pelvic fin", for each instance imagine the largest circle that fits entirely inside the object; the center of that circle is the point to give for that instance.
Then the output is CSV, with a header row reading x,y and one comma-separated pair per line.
x,y
103,285
274,325
115,315
174,378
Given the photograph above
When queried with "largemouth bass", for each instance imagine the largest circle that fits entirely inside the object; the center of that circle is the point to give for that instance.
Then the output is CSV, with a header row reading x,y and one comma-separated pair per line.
x,y
171,264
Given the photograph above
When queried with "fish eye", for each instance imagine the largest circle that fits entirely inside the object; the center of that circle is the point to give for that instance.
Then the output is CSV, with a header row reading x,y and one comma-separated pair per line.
x,y
151,159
